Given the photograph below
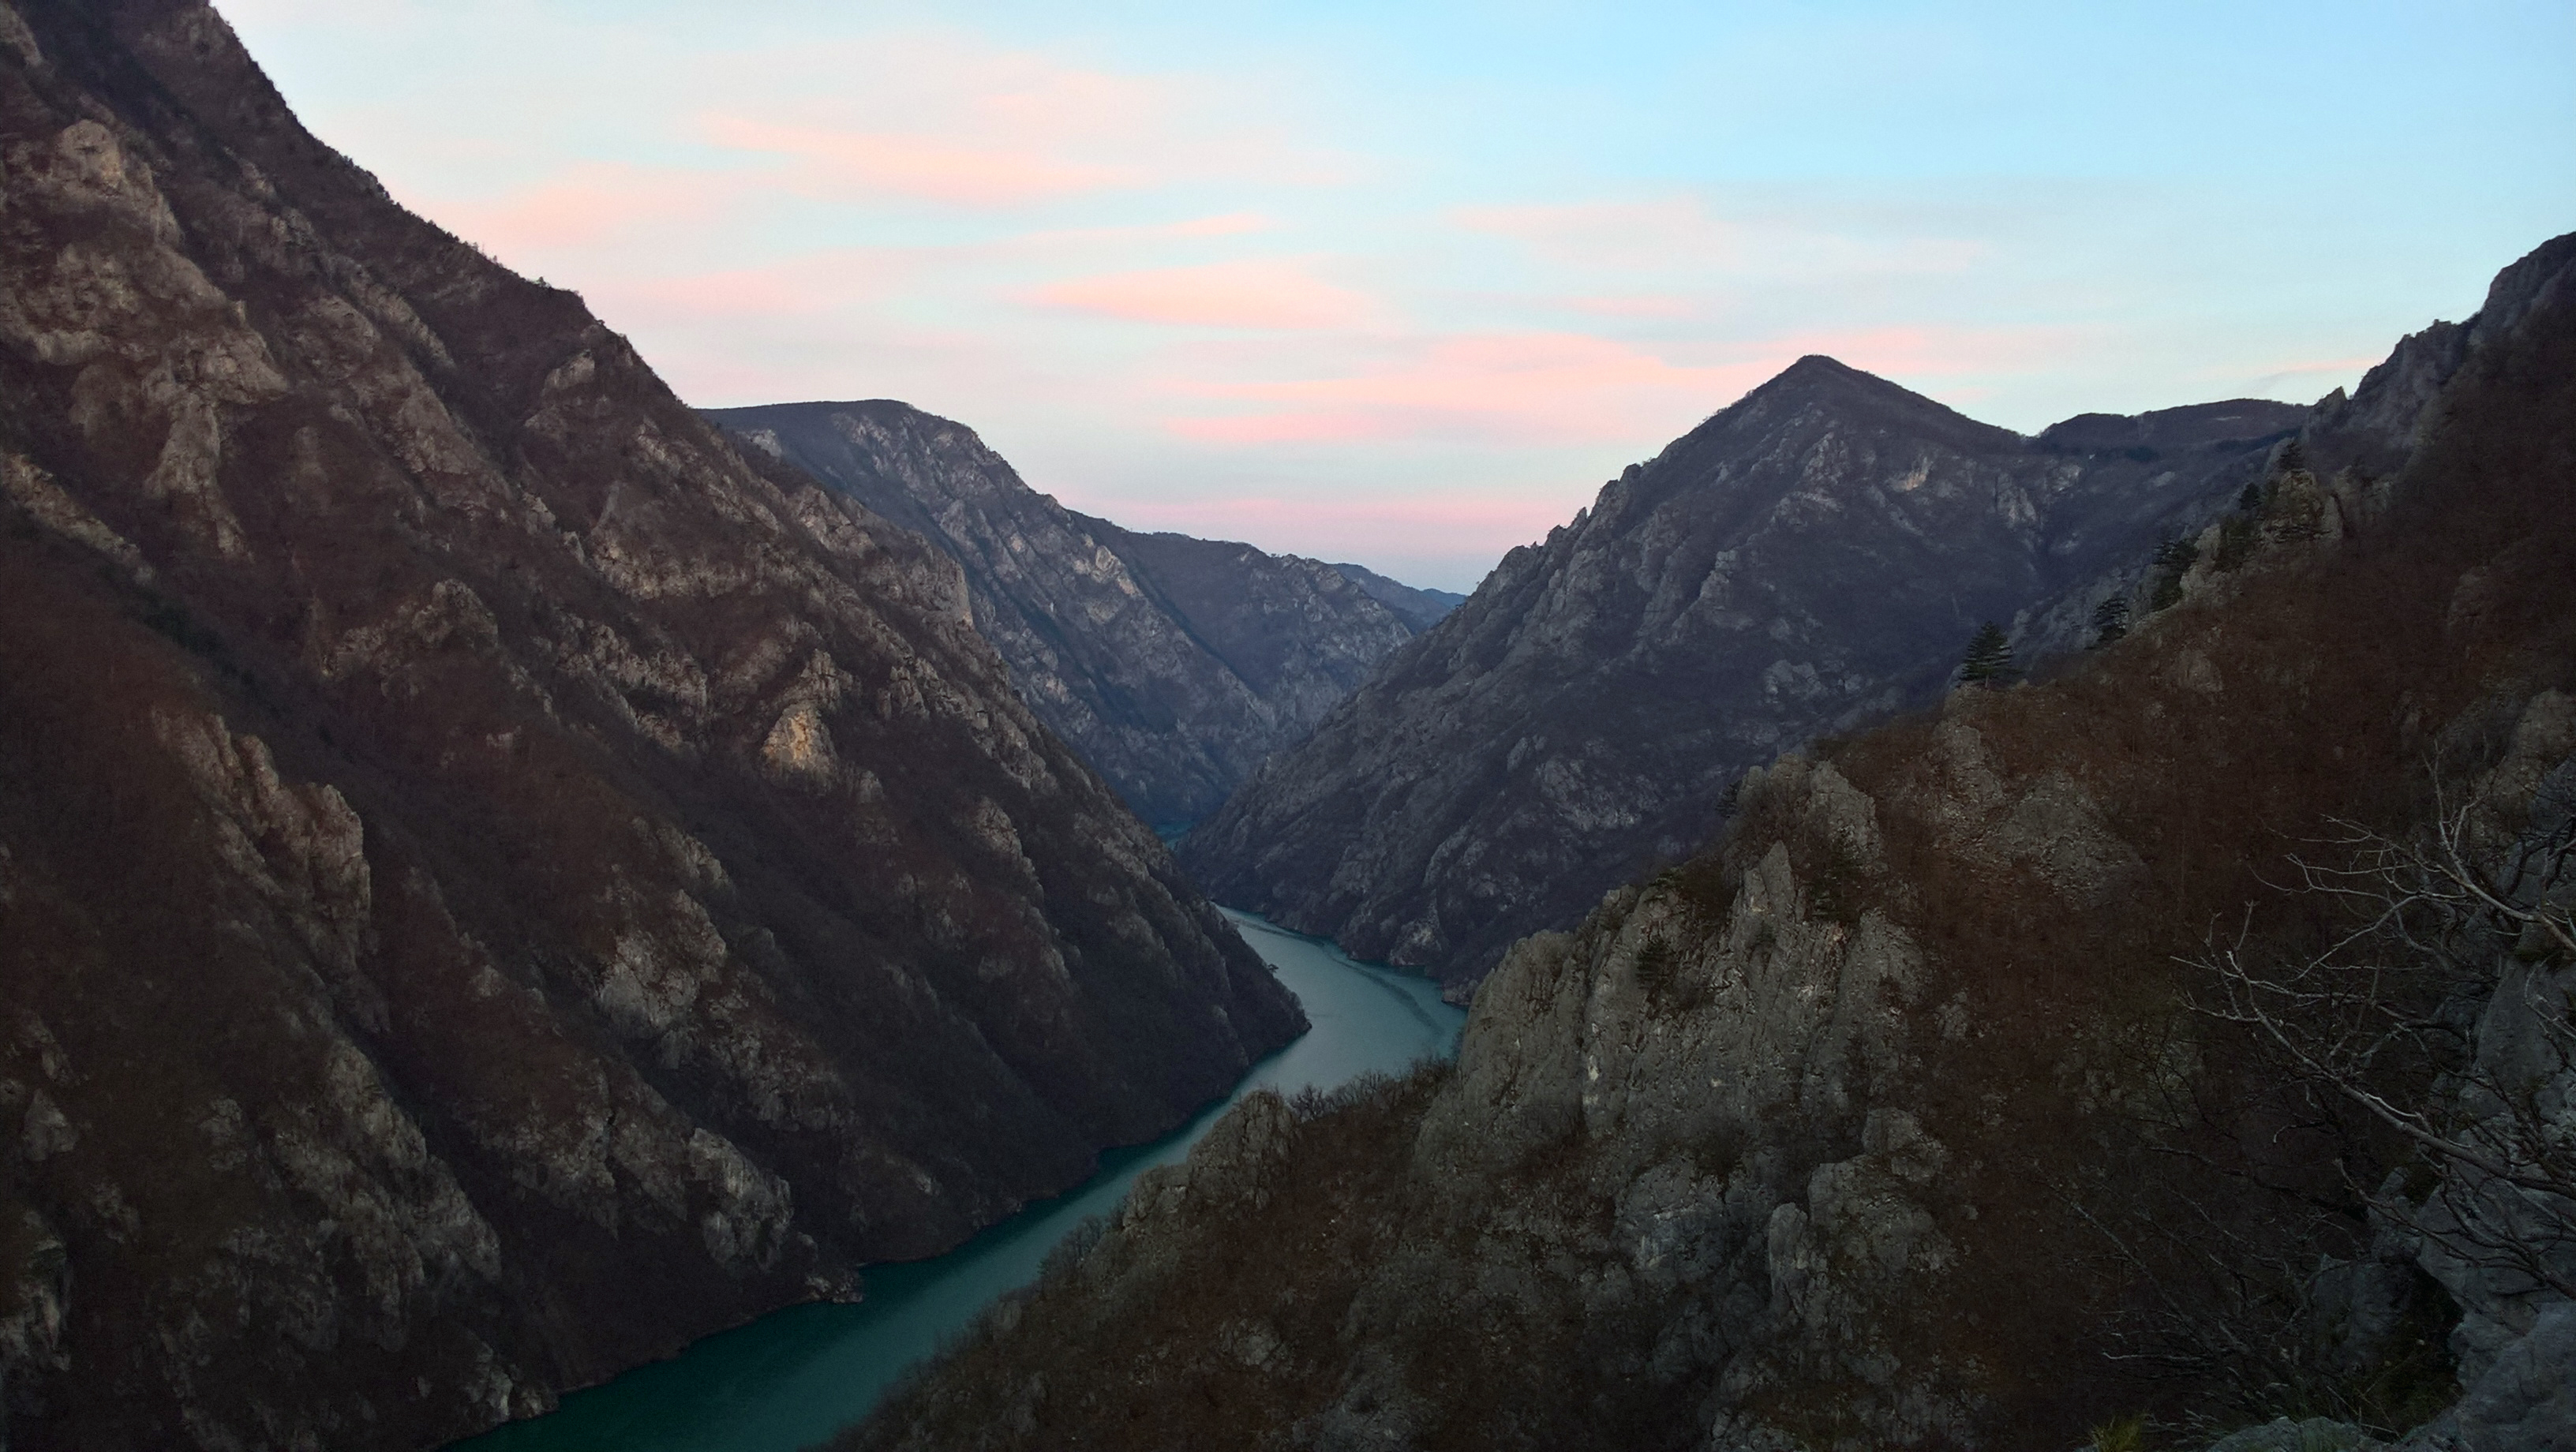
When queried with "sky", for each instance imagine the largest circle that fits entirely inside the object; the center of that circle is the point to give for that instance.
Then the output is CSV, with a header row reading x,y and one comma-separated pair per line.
x,y
1403,284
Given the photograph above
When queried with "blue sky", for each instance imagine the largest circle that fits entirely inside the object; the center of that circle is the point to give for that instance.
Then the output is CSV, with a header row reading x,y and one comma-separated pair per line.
x,y
1404,284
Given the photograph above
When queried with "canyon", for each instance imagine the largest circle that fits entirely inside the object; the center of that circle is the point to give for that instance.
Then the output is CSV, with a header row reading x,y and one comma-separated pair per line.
x,y
2174,1050
503,874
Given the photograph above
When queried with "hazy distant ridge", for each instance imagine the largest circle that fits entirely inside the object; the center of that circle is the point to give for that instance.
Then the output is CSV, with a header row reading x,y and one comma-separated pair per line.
x,y
1173,664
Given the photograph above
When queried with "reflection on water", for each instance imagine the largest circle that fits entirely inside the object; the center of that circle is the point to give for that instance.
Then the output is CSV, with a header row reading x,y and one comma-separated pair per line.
x,y
790,1379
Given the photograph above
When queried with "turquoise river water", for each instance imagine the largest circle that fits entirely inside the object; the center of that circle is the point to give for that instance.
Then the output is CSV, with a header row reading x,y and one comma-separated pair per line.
x,y
790,1379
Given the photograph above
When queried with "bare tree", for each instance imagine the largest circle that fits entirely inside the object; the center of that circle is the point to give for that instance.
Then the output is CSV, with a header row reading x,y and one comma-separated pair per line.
x,y
2444,1015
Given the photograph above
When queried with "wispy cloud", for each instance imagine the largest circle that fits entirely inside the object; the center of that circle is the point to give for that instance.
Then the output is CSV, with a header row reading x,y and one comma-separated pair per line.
x,y
1685,234
1473,522
1264,293
1503,386
923,167
2305,379
1634,305
588,205
1560,387
946,117
1226,224
1279,274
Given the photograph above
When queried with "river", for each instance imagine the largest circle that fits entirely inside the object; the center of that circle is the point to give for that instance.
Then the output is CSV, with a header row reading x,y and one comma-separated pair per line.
x,y
790,1379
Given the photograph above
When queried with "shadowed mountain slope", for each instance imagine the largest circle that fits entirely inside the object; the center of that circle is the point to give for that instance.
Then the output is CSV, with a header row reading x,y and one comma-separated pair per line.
x,y
1173,664
1813,556
493,884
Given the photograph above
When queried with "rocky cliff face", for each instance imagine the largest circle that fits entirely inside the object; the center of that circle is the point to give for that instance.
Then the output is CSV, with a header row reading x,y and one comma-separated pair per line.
x,y
1924,1109
1814,556
493,885
1173,664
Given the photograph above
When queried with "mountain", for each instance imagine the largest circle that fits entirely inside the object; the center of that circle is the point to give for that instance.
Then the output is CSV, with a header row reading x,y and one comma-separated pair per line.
x,y
2176,1045
494,884
1173,664
1814,556
1420,609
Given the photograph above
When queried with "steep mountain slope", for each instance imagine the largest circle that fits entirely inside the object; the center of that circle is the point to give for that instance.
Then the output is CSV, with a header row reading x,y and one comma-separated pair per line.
x,y
1173,664
1921,1111
1815,555
493,884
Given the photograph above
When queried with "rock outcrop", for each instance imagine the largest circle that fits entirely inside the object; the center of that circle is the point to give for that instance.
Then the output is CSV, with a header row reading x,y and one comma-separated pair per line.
x,y
1175,665
1924,1110
1815,556
493,883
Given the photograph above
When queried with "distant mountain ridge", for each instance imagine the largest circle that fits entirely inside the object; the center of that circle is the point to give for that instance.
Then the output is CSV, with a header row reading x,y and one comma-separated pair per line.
x,y
1419,608
2148,436
1812,556
1173,664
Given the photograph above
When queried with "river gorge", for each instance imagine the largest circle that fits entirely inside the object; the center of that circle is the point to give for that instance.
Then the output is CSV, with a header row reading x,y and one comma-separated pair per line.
x,y
790,1379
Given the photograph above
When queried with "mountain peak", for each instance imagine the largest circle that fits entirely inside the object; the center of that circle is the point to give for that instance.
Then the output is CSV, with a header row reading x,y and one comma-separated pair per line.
x,y
1817,374
1823,365
1860,398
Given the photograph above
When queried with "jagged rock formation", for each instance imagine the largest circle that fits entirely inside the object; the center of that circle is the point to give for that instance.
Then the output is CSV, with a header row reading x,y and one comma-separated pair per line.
x,y
1173,664
1912,1114
1816,555
493,885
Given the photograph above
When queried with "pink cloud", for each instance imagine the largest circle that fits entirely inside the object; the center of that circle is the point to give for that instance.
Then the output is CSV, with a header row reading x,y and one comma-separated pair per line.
x,y
1440,524
1265,294
1524,386
1027,93
584,207
743,294
1447,512
1227,224
1574,387
943,116
927,168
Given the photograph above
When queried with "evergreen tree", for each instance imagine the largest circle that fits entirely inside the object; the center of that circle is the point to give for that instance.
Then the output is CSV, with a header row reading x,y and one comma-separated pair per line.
x,y
1989,661
2174,559
2294,457
2110,620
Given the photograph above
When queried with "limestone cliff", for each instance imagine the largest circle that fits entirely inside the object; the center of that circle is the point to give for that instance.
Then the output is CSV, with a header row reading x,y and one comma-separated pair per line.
x,y
493,884
1173,664
1815,556
1924,1109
